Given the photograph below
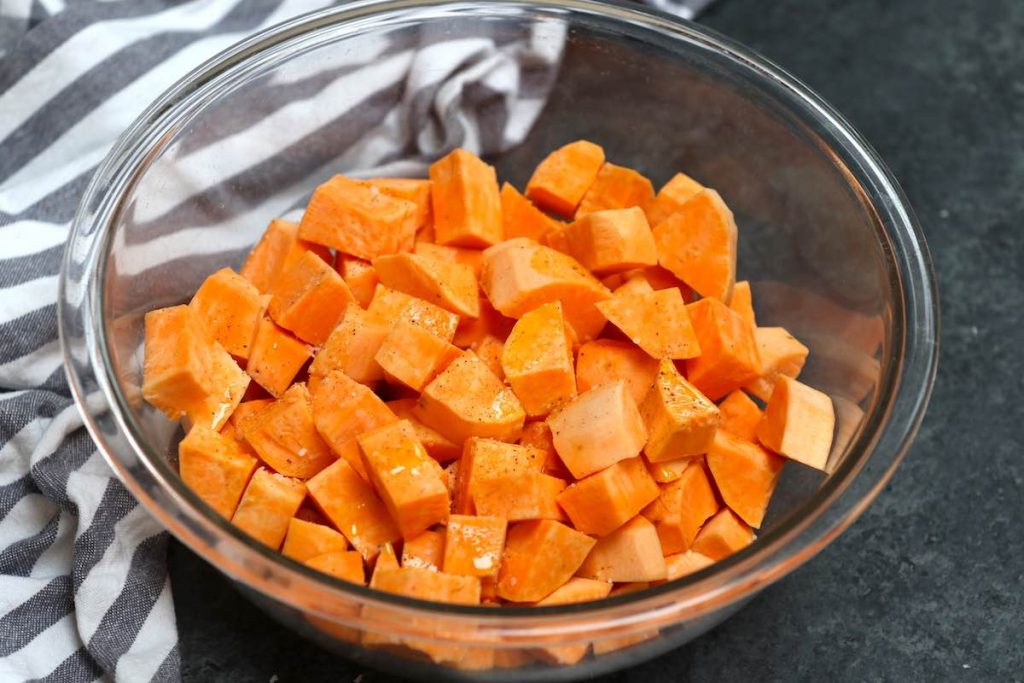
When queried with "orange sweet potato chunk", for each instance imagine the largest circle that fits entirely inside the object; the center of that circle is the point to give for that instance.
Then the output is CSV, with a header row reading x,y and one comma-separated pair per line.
x,y
276,357
230,308
391,305
537,360
723,535
742,302
684,564
473,545
345,565
799,422
698,244
611,241
560,181
438,447
740,415
616,187
484,459
413,356
413,190
602,502
354,508
490,324
358,219
268,505
538,435
597,429
519,275
464,256
448,284
518,497
630,553
746,475
605,361
352,347
309,299
306,540
386,560
279,247
215,467
781,354
729,356
680,420
284,436
682,508
342,410
521,218
657,322
424,550
491,350
466,201
539,557
671,197
359,275
467,399
668,471
405,477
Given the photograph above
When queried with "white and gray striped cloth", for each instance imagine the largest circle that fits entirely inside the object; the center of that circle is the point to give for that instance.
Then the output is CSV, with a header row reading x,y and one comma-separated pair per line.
x,y
84,593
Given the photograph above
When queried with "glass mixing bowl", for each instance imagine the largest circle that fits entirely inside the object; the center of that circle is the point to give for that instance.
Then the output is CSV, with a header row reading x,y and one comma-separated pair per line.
x,y
827,239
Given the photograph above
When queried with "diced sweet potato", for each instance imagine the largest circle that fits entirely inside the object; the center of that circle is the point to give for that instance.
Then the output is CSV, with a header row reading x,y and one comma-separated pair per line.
x,y
560,181
424,550
215,467
473,545
681,509
405,477
668,471
740,415
276,357
605,361
635,284
359,275
484,459
742,302
616,187
306,540
781,354
490,324
467,399
603,502
412,355
518,497
413,190
729,357
723,535
309,299
671,197
537,360
521,218
538,435
342,410
576,589
230,308
746,475
244,410
539,557
450,285
466,201
630,553
597,429
798,423
279,247
358,219
657,322
391,305
683,564
385,560
680,420
353,508
352,347
267,506
344,565
284,436
438,447
698,244
463,256
491,350
611,241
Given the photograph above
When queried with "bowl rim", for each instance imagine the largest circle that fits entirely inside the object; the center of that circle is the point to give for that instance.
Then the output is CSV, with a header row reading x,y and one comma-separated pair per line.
x,y
887,432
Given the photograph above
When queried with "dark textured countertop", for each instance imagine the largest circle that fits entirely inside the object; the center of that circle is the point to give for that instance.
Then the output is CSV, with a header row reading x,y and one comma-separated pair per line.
x,y
929,583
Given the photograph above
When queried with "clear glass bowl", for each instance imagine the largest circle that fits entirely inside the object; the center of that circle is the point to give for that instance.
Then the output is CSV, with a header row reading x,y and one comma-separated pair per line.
x,y
827,239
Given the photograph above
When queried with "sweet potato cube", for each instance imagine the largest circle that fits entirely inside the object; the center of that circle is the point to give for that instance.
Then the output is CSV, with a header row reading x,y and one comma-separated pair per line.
x,y
742,302
358,219
285,437
519,275
634,284
215,467
484,459
560,181
781,354
605,361
407,480
682,507
413,355
424,550
668,471
473,545
267,506
466,201
538,435
489,324
521,218
279,247
611,241
740,415
352,347
616,187
539,557
462,256
683,564
306,540
537,360
391,305
342,410
698,244
385,560
448,284
798,423
518,497
746,475
657,322
438,447
671,197
729,357
491,350
309,299
244,410
345,565
576,589
230,308
354,508
680,421
359,275
630,553
415,190
597,429
276,357
723,535
603,502
467,399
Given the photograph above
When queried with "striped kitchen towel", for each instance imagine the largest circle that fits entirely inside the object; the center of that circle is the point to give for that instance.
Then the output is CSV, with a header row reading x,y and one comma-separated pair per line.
x,y
84,593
